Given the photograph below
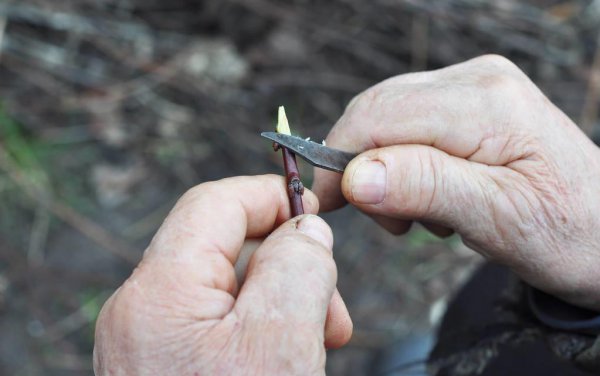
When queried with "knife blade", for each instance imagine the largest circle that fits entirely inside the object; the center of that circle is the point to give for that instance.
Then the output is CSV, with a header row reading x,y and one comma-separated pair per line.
x,y
316,154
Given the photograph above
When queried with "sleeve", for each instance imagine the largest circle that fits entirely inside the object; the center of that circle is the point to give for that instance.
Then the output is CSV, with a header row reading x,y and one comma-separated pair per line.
x,y
558,314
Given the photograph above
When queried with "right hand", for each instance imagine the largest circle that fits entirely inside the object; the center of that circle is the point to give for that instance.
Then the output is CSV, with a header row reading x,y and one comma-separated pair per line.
x,y
477,148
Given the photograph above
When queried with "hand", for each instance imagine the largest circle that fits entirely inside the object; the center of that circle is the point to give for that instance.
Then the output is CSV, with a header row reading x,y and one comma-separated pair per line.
x,y
477,148
180,313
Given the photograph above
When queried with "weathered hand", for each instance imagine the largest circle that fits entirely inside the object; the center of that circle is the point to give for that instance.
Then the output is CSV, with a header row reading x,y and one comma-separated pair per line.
x,y
478,149
180,313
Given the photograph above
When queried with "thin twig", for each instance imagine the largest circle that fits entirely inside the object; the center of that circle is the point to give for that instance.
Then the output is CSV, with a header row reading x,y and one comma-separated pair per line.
x,y
295,189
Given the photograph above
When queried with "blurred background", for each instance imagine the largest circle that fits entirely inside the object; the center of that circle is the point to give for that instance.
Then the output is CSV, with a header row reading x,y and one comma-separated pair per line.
x,y
110,110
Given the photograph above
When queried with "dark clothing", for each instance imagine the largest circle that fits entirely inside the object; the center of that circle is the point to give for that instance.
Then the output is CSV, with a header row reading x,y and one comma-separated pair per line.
x,y
560,315
493,328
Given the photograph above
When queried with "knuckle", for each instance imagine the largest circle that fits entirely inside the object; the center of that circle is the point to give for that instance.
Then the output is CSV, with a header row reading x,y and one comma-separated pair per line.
x,y
197,191
353,102
496,62
500,77
422,182
366,102
231,186
128,297
211,189
428,182
502,85
120,314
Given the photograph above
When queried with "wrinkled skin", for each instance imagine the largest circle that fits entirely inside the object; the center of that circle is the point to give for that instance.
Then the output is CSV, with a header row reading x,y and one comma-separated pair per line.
x,y
181,313
476,148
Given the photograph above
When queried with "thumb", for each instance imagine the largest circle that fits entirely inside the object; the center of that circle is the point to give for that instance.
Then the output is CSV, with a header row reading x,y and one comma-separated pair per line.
x,y
417,182
291,280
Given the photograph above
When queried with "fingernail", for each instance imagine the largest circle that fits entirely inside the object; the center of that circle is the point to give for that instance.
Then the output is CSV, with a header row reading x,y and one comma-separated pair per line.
x,y
368,182
316,228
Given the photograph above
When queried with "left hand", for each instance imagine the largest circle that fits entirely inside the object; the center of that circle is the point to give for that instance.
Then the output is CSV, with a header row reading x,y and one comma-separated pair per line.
x,y
180,313
478,149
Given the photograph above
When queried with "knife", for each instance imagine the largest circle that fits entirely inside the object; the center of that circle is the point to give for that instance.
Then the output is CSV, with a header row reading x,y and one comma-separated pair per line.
x,y
316,154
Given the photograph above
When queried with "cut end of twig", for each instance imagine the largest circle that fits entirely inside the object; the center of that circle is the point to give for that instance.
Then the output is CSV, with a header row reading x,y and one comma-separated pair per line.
x,y
282,122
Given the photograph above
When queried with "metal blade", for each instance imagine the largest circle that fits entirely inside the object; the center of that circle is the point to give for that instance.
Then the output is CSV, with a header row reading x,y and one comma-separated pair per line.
x,y
312,152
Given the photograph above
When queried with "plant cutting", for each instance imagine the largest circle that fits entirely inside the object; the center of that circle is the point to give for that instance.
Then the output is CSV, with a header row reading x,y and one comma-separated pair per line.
x,y
295,188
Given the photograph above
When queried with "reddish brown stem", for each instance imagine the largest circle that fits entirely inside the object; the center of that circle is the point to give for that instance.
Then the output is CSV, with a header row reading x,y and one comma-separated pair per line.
x,y
295,188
